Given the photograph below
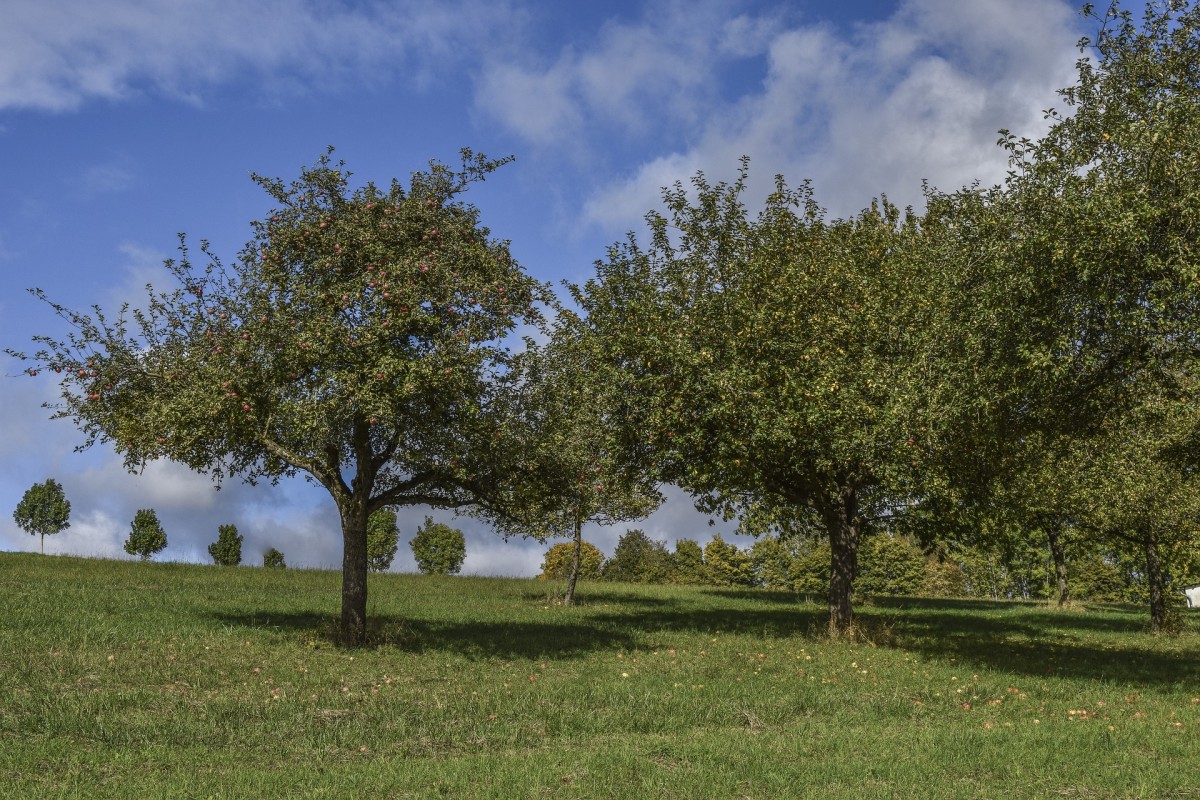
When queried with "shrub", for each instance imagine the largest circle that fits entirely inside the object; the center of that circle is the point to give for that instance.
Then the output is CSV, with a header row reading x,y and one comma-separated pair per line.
x,y
727,565
638,559
687,563
438,548
382,540
890,565
226,551
147,536
557,563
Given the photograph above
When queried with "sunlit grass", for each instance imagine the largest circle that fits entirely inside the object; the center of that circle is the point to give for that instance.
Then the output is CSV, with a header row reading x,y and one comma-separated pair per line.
x,y
120,679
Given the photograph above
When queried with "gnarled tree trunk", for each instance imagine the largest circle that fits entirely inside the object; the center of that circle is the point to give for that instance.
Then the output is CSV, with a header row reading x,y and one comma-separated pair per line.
x,y
1155,583
843,527
1058,554
354,573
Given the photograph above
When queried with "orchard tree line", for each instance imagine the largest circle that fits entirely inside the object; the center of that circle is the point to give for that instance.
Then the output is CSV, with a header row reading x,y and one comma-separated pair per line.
x,y
1009,365
889,565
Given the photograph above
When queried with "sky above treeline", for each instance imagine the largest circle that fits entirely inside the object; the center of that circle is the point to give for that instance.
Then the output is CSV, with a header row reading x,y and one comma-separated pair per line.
x,y
126,122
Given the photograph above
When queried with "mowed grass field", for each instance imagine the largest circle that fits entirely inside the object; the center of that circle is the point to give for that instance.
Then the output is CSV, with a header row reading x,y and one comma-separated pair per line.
x,y
121,679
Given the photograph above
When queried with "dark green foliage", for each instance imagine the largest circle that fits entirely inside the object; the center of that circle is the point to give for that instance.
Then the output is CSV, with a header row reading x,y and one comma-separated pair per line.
x,y
810,569
43,510
891,565
438,548
943,579
772,561
273,559
557,563
688,563
147,536
1095,578
638,559
226,551
383,539
727,564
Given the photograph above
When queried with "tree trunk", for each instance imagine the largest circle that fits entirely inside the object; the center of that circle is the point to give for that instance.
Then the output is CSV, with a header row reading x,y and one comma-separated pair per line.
x,y
1058,553
842,525
354,573
1154,579
576,561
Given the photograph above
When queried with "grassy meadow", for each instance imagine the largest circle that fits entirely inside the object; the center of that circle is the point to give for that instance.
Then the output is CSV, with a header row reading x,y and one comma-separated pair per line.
x,y
122,679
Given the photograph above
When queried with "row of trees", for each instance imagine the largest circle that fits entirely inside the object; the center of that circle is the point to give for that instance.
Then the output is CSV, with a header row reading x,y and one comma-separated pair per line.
x,y
1009,359
888,565
437,548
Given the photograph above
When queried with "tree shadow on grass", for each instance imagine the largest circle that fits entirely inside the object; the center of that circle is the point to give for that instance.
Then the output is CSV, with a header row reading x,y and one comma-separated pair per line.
x,y
475,640
1030,641
585,598
1038,641
758,595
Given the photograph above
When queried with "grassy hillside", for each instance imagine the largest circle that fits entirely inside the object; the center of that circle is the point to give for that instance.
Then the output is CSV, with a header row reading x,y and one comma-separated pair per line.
x,y
120,679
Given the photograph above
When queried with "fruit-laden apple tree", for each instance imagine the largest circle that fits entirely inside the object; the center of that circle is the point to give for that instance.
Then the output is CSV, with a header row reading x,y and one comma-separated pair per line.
x,y
568,464
794,372
354,340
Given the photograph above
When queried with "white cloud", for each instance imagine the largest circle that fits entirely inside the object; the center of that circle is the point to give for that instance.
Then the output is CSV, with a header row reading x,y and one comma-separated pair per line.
x,y
629,79
535,105
875,108
57,54
108,178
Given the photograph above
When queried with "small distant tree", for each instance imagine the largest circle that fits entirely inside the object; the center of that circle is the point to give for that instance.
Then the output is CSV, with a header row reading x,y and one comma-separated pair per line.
x,y
639,559
560,558
226,551
43,510
273,559
571,467
382,540
147,536
943,579
438,548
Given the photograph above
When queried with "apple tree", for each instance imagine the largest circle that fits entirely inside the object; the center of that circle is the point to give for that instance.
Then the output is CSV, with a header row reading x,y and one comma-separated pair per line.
x,y
796,373
353,340
569,467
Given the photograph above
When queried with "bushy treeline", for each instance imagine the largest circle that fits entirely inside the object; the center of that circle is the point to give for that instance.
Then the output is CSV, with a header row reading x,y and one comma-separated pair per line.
x,y
889,564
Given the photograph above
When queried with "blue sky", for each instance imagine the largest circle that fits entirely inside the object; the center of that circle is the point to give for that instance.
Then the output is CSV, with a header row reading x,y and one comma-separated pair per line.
x,y
125,122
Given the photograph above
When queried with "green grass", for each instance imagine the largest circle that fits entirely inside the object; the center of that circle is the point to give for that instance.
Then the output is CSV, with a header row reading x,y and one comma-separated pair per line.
x,y
120,679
